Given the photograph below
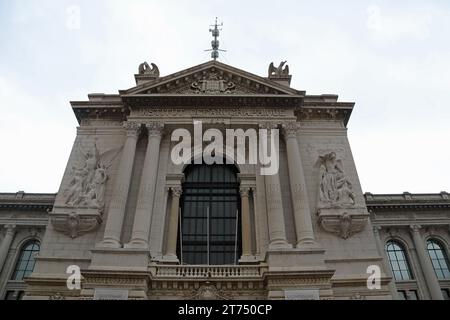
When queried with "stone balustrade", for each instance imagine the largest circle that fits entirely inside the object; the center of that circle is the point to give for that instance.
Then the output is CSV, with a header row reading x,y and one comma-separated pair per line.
x,y
193,271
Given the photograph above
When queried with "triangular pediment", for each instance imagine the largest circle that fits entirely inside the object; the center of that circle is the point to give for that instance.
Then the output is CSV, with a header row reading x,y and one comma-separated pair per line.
x,y
212,78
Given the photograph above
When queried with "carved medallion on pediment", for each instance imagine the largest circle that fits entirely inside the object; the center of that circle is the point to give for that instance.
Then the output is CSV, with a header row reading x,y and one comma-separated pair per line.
x,y
213,84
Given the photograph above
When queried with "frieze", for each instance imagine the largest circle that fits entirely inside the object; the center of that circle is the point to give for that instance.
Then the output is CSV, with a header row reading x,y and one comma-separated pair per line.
x,y
297,281
209,112
101,123
181,284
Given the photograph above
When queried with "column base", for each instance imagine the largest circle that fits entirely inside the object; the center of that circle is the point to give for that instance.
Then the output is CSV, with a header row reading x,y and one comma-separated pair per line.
x,y
279,244
248,259
136,244
170,259
109,243
307,244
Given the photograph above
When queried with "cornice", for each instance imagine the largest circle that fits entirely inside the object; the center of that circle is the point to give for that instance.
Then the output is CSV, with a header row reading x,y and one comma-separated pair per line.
x,y
406,200
24,201
99,110
411,206
325,111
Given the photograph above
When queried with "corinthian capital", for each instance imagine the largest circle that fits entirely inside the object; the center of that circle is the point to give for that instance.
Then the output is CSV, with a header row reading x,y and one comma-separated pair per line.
x,y
415,227
176,191
155,129
10,229
244,191
290,129
132,128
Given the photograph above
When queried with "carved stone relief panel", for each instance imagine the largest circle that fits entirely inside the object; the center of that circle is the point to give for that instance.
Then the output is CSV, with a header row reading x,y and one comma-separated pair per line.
x,y
335,189
88,178
82,198
336,206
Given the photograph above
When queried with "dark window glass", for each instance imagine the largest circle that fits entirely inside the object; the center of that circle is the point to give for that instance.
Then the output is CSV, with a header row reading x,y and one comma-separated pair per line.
x,y
402,295
412,295
446,294
210,223
397,259
407,295
439,259
25,264
14,295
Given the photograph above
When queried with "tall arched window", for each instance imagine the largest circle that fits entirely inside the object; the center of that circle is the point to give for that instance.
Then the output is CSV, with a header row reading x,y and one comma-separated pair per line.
x,y
210,223
398,261
439,259
25,264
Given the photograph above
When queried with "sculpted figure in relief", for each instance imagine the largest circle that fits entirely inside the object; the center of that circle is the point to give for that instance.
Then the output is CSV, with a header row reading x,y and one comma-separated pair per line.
x,y
87,184
335,189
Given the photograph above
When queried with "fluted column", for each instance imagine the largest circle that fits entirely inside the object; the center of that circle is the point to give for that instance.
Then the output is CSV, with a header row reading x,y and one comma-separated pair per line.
x,y
246,225
113,229
172,234
299,196
145,201
6,244
386,266
425,263
275,213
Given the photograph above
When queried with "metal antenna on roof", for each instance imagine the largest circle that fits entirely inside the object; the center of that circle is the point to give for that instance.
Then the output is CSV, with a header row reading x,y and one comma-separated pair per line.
x,y
215,43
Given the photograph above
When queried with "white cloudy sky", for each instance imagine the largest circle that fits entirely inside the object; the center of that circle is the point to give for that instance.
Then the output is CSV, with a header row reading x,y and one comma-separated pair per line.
x,y
391,57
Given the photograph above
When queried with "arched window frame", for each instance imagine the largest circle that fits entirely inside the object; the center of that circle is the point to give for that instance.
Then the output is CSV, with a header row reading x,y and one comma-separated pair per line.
x,y
440,263
401,266
21,267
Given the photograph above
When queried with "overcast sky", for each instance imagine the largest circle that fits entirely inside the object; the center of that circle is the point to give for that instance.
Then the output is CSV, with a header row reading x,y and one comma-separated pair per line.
x,y
390,57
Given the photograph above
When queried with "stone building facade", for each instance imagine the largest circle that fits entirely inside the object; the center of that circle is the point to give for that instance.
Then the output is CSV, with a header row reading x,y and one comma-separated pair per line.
x,y
140,225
